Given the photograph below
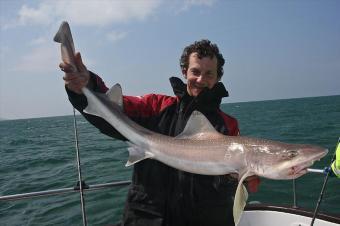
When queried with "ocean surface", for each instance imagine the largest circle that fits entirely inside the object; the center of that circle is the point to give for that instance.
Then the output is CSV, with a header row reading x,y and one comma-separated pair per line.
x,y
39,154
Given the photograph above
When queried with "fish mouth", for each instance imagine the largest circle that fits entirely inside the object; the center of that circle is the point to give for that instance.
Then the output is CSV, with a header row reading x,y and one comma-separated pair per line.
x,y
301,168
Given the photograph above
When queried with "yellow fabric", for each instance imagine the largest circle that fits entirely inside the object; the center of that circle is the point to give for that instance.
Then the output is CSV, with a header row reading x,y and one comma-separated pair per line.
x,y
335,170
337,158
336,163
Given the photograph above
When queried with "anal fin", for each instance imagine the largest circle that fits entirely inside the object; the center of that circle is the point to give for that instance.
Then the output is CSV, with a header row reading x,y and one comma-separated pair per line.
x,y
137,154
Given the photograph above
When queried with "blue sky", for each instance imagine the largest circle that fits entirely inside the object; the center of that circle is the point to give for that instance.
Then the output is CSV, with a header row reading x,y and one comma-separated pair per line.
x,y
273,49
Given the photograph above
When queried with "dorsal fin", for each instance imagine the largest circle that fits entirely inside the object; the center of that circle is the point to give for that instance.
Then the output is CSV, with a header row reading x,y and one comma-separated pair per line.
x,y
198,127
115,94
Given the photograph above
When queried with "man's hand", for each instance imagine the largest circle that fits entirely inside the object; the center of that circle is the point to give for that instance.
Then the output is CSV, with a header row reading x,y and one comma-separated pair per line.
x,y
75,81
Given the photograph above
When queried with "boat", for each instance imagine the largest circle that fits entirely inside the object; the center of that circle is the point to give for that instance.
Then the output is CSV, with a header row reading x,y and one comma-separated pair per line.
x,y
269,215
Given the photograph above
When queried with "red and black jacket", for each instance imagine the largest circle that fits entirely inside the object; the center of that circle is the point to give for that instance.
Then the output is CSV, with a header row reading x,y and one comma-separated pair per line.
x,y
158,189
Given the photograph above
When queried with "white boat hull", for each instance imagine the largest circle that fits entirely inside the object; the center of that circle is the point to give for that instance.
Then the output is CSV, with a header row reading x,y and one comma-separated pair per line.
x,y
260,215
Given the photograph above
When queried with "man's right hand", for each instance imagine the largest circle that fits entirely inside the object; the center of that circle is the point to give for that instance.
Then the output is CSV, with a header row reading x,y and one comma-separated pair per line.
x,y
75,81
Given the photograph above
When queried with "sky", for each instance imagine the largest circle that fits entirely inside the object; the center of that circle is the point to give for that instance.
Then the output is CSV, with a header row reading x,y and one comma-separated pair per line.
x,y
273,49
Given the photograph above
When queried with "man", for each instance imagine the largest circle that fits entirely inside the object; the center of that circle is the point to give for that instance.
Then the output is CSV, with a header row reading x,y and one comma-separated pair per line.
x,y
161,195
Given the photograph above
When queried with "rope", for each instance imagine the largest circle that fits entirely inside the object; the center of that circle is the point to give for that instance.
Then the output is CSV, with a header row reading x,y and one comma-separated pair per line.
x,y
80,181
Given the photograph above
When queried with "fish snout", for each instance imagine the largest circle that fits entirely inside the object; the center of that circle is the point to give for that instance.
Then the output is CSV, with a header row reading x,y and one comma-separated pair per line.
x,y
314,152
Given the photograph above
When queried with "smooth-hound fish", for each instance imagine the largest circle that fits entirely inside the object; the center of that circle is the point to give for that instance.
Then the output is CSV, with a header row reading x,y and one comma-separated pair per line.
x,y
200,149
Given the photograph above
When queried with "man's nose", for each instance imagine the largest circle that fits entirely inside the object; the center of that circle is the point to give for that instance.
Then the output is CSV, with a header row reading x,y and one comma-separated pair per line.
x,y
200,79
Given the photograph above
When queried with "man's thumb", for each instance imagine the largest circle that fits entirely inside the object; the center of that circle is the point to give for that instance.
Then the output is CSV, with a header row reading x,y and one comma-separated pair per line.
x,y
79,63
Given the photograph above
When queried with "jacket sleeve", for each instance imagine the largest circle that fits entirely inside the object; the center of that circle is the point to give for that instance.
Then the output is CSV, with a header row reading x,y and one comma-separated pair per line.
x,y
146,106
139,109
79,102
231,123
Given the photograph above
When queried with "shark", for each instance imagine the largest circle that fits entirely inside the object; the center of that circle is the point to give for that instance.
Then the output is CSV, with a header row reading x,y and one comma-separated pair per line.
x,y
199,149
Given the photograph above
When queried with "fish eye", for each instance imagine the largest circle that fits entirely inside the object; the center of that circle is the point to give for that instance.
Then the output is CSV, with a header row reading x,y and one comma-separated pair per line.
x,y
291,154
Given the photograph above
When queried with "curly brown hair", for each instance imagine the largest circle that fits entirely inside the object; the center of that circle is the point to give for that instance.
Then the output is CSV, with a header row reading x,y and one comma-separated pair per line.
x,y
203,48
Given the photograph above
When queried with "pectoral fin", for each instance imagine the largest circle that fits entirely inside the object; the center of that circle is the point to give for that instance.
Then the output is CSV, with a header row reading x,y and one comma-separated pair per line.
x,y
241,197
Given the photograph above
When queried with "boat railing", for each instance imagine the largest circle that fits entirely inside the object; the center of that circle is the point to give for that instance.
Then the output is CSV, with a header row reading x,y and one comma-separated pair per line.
x,y
94,187
63,190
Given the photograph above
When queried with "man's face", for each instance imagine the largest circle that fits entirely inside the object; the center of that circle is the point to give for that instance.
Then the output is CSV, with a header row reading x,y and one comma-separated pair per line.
x,y
201,73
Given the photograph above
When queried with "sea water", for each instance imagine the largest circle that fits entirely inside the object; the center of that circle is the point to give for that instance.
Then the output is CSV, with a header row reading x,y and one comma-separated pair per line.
x,y
39,154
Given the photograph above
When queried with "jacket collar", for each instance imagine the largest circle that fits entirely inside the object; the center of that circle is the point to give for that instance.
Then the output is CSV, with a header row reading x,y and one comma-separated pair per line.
x,y
206,98
180,89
